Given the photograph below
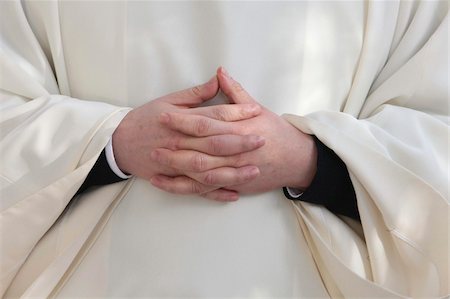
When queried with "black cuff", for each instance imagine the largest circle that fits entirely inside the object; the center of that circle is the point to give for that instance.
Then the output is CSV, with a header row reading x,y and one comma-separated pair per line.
x,y
101,174
331,186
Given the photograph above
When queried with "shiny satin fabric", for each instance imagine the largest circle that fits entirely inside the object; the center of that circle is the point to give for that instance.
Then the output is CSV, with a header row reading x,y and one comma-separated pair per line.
x,y
370,79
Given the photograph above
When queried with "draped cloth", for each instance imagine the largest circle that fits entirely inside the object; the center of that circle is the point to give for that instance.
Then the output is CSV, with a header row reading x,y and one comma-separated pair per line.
x,y
369,79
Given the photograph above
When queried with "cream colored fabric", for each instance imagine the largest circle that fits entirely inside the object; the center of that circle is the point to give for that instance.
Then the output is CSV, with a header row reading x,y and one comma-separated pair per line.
x,y
370,79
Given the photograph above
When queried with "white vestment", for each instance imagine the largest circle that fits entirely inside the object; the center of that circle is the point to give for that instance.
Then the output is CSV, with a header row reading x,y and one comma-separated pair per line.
x,y
369,79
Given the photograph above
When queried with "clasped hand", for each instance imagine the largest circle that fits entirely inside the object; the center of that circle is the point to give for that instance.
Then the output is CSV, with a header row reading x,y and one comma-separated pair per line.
x,y
218,151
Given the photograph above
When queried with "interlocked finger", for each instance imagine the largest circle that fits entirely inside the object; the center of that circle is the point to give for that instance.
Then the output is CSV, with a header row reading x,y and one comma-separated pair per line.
x,y
196,95
186,185
220,145
226,176
180,185
196,125
233,89
230,112
221,195
193,161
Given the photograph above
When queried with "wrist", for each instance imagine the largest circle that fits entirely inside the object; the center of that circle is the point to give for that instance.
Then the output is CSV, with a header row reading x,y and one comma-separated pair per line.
x,y
119,143
110,158
303,163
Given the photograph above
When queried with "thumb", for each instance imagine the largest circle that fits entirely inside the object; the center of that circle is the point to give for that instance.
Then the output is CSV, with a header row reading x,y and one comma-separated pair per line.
x,y
194,96
232,89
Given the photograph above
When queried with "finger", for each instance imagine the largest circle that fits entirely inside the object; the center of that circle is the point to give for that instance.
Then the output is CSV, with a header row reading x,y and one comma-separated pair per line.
x,y
232,89
220,145
196,95
233,112
180,185
186,185
221,195
193,161
226,176
196,125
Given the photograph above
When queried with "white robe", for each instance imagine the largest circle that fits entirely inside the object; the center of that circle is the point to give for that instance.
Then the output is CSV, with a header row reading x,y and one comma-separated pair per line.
x,y
370,79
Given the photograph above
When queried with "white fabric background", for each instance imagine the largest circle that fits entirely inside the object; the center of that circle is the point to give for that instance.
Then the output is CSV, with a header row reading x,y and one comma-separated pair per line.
x,y
374,75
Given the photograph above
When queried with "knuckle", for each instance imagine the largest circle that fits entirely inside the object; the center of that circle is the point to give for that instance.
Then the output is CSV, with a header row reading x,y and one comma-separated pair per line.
x,y
209,179
215,145
221,113
196,91
201,126
195,187
198,162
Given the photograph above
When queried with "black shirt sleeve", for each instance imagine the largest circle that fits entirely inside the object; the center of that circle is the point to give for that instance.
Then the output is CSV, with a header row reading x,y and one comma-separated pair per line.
x,y
101,174
331,186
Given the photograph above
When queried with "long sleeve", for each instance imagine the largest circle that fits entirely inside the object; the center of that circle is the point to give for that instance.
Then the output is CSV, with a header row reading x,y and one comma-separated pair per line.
x,y
331,186
393,137
49,140
101,174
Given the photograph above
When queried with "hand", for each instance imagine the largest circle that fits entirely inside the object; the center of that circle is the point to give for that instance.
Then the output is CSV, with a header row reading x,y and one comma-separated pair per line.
x,y
142,131
287,159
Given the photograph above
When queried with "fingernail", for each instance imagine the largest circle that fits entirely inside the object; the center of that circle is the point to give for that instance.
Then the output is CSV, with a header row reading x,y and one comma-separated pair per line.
x,y
253,171
224,72
164,118
259,140
153,180
253,108
233,197
154,155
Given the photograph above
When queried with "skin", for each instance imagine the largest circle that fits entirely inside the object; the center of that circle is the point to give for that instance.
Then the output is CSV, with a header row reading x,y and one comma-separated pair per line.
x,y
208,163
288,158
